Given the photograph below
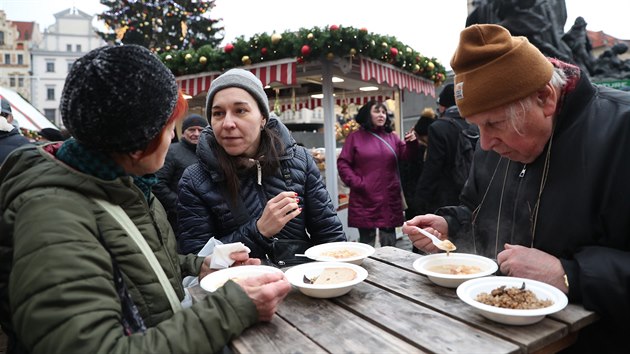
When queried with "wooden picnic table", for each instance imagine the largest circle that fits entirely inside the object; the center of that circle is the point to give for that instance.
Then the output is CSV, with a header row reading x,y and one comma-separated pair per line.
x,y
397,310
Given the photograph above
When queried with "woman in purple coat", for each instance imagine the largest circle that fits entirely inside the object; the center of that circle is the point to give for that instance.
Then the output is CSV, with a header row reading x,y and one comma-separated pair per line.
x,y
368,164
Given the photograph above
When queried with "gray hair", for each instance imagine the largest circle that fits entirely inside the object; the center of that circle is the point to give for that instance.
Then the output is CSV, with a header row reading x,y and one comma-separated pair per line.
x,y
515,111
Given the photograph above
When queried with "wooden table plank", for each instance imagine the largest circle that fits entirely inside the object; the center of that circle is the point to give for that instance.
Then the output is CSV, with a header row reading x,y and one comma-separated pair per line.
x,y
419,288
336,329
276,336
431,330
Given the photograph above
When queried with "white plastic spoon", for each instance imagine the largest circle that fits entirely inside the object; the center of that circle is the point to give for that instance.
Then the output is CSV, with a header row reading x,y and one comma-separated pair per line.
x,y
444,245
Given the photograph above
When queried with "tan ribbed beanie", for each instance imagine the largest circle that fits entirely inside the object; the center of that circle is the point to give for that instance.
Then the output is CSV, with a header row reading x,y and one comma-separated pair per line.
x,y
492,69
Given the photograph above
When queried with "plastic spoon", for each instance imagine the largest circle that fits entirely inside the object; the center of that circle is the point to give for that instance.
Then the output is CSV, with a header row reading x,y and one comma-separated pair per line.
x,y
444,245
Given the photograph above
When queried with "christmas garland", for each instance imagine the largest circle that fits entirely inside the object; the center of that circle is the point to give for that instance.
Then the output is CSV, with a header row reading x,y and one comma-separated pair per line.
x,y
307,45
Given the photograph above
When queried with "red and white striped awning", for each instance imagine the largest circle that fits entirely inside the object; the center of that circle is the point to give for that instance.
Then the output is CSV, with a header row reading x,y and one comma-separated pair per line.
x,y
311,103
279,71
395,77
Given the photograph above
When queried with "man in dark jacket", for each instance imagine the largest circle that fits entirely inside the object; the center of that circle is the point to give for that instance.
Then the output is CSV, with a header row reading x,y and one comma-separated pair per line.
x,y
180,155
437,186
547,196
10,138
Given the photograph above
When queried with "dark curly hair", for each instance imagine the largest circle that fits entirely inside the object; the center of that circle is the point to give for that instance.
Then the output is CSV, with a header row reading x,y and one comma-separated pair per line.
x,y
364,116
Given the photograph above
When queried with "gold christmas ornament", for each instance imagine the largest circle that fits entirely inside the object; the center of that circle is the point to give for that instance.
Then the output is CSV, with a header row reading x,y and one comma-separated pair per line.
x,y
275,38
203,60
430,65
169,57
353,51
310,36
330,56
246,60
384,44
188,56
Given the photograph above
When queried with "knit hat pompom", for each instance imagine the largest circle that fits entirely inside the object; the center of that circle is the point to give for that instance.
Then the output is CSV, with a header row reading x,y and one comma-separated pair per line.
x,y
492,69
243,79
118,98
194,120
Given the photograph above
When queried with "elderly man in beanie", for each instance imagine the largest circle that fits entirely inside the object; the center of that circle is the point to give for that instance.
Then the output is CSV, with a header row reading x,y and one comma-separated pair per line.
x,y
253,184
547,196
10,138
180,155
89,261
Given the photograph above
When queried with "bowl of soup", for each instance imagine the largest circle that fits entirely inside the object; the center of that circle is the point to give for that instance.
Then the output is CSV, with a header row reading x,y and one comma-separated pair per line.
x,y
350,252
450,270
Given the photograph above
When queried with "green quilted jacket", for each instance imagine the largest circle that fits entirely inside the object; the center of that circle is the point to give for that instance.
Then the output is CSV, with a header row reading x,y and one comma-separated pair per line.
x,y
56,280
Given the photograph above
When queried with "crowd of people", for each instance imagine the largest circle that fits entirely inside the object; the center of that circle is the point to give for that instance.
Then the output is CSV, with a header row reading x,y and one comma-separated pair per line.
x,y
101,228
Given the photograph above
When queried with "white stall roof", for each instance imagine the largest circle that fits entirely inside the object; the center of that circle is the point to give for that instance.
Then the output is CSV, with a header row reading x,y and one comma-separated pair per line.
x,y
27,116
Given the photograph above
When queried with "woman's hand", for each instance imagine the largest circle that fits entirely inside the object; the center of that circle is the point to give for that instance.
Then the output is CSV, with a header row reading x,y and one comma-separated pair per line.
x,y
278,211
410,136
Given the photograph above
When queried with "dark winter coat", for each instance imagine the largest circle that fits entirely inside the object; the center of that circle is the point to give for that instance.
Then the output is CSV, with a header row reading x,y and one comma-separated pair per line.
x,y
10,141
370,169
437,187
204,212
60,295
583,216
180,155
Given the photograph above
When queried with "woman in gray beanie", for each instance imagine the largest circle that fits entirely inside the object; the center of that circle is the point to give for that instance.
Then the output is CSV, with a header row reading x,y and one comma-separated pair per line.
x,y
252,184
89,260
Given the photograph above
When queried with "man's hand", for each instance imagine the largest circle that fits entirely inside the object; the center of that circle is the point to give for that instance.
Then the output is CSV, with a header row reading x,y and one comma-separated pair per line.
x,y
267,292
531,263
436,225
240,258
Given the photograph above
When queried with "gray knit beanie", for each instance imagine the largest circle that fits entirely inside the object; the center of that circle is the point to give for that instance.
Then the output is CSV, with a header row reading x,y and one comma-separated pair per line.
x,y
118,99
242,79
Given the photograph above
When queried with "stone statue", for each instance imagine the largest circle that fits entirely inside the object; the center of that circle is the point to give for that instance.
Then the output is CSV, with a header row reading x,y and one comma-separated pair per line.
x,y
609,65
577,39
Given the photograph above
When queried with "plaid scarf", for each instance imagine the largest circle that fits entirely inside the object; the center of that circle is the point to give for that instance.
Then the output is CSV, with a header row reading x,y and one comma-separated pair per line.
x,y
100,165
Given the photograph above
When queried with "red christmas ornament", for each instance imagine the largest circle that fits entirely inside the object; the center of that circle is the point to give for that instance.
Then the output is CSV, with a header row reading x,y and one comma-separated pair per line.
x,y
263,51
393,51
300,60
306,50
229,48
363,29
334,27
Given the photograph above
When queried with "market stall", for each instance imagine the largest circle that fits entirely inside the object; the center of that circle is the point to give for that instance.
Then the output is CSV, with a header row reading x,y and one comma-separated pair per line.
x,y
332,69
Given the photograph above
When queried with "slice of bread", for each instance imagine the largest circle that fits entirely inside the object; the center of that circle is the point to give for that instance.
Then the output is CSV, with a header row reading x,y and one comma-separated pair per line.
x,y
335,276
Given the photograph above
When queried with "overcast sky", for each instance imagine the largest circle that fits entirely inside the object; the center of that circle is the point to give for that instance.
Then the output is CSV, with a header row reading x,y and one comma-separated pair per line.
x,y
430,27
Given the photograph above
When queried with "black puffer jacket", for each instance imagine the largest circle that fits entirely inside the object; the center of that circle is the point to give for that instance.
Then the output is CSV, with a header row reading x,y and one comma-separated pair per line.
x,y
204,212
584,206
180,155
